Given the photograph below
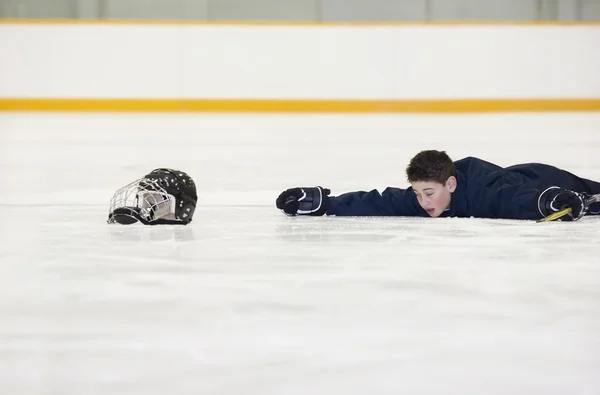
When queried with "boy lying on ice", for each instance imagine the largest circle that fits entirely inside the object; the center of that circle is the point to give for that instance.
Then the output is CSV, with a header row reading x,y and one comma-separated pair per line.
x,y
469,187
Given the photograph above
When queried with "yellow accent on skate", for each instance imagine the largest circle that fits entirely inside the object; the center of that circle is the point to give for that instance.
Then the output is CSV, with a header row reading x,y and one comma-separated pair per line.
x,y
556,215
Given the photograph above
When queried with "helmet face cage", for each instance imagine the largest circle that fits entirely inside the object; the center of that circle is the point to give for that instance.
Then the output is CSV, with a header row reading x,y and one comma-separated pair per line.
x,y
150,200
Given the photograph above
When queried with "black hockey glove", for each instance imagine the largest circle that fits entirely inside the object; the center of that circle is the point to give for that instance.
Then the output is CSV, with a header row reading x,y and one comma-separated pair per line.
x,y
555,199
304,201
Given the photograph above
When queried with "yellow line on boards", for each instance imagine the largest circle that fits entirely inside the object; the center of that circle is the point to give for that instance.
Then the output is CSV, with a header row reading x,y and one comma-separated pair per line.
x,y
290,23
298,106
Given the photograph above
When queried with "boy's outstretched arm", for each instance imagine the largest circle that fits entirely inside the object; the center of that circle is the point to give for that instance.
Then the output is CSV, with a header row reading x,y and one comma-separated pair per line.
x,y
316,201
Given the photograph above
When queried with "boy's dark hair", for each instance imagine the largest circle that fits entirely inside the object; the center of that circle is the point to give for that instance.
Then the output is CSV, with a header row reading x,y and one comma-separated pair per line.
x,y
430,166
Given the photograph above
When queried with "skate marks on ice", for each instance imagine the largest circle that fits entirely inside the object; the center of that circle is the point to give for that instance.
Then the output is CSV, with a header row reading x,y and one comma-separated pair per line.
x,y
247,300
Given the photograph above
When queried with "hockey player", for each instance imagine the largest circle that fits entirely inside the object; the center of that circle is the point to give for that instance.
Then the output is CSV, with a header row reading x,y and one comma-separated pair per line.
x,y
469,187
162,197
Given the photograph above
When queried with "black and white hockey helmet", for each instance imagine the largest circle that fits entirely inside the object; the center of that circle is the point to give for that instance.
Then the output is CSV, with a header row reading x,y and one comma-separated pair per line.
x,y
162,197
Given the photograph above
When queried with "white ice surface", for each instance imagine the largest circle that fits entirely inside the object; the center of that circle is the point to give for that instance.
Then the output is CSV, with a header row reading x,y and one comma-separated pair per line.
x,y
248,301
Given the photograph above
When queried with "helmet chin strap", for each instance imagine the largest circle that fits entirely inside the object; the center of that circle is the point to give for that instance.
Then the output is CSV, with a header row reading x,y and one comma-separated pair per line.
x,y
131,215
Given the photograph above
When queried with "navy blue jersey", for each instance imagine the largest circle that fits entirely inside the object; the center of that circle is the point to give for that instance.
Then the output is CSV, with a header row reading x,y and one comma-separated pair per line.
x,y
484,190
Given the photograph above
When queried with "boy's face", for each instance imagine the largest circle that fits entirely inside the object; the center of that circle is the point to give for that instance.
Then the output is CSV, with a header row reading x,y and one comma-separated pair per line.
x,y
433,196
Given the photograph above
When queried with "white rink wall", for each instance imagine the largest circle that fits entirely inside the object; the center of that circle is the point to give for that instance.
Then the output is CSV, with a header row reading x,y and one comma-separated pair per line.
x,y
300,62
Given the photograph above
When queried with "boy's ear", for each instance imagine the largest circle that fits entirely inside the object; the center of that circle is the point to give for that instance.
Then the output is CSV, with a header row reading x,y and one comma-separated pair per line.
x,y
451,184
